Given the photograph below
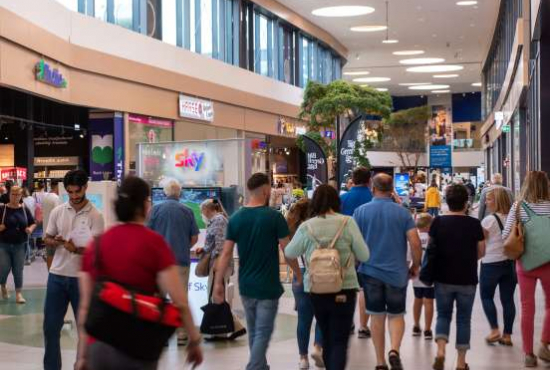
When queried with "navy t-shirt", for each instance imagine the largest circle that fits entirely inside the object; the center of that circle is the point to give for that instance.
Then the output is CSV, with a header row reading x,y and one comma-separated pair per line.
x,y
456,239
16,221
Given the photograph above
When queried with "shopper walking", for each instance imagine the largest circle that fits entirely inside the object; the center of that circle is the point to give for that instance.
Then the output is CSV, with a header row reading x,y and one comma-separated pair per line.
x,y
71,226
432,203
16,225
358,195
299,213
333,311
496,182
259,231
30,204
459,242
534,200
496,269
176,223
386,227
132,255
51,200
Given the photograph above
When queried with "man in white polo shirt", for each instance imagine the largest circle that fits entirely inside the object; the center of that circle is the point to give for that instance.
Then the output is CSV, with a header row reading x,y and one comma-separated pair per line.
x,y
70,228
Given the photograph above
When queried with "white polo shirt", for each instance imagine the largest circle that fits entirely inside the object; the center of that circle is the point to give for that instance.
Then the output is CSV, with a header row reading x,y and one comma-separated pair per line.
x,y
63,220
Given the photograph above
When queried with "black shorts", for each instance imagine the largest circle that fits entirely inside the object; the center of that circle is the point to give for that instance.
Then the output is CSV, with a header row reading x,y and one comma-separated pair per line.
x,y
428,293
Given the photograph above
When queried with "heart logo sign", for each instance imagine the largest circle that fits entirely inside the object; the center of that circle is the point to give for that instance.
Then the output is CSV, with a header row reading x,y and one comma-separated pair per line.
x,y
102,149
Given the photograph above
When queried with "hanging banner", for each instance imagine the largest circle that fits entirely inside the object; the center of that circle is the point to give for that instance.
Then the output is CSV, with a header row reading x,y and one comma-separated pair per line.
x,y
440,133
101,140
317,169
118,142
362,128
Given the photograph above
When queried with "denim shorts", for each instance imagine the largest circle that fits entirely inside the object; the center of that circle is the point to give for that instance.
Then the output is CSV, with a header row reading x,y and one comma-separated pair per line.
x,y
382,298
427,293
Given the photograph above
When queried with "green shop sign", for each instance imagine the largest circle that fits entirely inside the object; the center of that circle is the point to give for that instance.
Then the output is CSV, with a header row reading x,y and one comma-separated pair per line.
x,y
48,75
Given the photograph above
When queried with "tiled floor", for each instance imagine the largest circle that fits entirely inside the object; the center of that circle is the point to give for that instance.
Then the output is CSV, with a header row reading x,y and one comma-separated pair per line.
x,y
21,341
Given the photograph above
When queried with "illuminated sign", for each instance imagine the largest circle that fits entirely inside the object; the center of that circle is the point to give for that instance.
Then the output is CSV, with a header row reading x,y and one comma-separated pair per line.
x,y
13,173
287,128
185,159
196,108
44,73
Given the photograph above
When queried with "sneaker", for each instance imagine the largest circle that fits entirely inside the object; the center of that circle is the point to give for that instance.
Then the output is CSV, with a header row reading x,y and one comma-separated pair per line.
x,y
5,294
317,357
395,360
19,299
544,354
417,331
530,361
364,333
304,364
428,335
439,363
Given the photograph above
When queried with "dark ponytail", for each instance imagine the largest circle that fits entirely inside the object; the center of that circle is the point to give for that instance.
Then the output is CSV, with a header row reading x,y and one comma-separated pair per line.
x,y
131,198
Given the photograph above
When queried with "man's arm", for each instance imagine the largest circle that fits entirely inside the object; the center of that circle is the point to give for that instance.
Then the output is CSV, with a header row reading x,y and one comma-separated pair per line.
x,y
416,250
292,262
194,240
220,268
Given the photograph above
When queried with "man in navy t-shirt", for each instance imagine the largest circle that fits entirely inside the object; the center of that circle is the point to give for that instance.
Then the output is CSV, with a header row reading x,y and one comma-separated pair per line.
x,y
359,194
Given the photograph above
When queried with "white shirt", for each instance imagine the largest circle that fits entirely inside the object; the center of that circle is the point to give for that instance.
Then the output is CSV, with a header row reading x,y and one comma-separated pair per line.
x,y
30,203
494,250
63,221
424,239
50,201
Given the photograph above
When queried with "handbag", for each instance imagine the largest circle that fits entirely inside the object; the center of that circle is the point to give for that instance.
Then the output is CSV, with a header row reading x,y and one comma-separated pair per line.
x,y
537,234
136,323
217,318
203,266
514,245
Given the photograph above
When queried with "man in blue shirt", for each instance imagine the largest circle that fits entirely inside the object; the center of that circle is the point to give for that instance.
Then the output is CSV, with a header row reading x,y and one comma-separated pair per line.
x,y
177,224
386,227
359,194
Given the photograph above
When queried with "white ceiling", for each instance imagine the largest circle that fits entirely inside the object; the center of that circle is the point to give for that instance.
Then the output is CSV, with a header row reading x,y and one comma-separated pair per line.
x,y
459,34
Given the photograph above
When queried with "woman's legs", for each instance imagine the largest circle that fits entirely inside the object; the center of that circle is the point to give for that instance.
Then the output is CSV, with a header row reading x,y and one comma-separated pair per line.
x,y
444,301
507,288
465,298
305,318
489,278
527,285
5,264
18,264
545,282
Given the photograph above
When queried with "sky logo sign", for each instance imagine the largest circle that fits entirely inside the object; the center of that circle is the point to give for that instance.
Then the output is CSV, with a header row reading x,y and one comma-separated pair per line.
x,y
193,160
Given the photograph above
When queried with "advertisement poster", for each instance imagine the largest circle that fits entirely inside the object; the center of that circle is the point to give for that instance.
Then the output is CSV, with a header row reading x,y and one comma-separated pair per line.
x,y
401,184
101,143
440,133
143,129
119,147
317,169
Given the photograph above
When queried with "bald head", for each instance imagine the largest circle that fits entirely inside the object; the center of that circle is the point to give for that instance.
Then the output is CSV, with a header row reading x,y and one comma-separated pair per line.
x,y
382,184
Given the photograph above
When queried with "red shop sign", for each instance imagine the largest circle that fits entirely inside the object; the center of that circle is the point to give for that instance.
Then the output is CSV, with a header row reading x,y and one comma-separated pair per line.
x,y
13,173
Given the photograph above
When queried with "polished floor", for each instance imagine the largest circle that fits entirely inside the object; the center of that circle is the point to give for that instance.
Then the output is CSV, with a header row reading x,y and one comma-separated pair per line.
x,y
21,340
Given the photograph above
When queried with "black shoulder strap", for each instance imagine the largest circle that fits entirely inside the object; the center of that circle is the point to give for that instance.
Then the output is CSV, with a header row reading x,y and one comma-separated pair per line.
x,y
500,225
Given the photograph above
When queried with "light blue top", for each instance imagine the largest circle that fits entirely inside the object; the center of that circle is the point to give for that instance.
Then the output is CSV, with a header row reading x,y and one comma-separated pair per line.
x,y
384,225
350,244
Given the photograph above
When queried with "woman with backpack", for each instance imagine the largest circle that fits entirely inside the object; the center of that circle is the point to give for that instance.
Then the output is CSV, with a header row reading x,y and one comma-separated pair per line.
x,y
497,270
330,243
533,208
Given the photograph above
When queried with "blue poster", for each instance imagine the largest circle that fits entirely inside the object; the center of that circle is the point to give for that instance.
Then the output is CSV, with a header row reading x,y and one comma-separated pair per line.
x,y
401,184
119,147
440,133
101,142
440,156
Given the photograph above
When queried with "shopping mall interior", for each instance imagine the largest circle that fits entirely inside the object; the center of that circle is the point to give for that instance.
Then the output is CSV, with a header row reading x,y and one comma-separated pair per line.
x,y
209,92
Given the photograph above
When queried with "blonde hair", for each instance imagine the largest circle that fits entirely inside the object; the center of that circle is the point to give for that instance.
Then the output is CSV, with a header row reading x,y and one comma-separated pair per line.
x,y
214,205
16,188
535,187
423,220
503,203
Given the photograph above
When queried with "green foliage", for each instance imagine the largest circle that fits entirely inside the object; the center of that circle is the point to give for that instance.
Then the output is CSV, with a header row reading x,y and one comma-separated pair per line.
x,y
409,117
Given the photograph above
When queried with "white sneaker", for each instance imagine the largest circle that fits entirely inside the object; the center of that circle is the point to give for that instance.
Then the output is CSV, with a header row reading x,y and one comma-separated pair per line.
x,y
317,356
304,364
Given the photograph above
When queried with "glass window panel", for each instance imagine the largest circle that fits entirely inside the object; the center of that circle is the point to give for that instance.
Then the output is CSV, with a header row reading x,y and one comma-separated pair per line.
x,y
206,27
261,41
123,13
100,9
193,26
169,27
70,4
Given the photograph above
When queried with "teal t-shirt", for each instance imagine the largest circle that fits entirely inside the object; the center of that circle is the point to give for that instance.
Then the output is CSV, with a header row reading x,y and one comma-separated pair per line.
x,y
256,231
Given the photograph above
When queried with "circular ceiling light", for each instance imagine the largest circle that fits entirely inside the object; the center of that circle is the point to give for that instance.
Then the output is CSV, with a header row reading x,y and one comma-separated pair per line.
x,y
420,61
446,76
369,28
371,79
409,52
477,84
429,87
415,83
390,41
466,3
441,91
343,11
356,73
435,69
382,89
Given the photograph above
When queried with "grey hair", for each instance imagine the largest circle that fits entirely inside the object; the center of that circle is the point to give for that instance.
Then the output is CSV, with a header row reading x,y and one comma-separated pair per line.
x,y
172,189
497,178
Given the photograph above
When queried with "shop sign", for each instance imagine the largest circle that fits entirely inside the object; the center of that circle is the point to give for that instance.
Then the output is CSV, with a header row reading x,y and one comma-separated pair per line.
x,y
56,161
506,128
13,173
48,75
287,128
150,121
194,108
257,144
186,159
329,134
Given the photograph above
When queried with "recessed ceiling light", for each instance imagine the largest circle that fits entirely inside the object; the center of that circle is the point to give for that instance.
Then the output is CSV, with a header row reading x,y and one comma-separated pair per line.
x,y
382,89
391,41
466,3
477,84
414,83
422,61
343,11
441,91
435,69
429,87
369,28
371,79
356,73
446,76
409,52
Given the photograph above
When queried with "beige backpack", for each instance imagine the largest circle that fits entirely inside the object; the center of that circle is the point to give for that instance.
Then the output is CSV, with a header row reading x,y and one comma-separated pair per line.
x,y
326,274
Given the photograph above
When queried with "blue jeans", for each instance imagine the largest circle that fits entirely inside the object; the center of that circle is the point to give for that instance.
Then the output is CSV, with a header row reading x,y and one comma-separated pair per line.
x,y
61,291
434,211
445,297
12,258
305,319
503,275
260,321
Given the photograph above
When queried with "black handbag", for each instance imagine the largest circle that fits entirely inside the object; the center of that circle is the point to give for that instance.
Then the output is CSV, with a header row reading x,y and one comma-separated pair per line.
x,y
427,270
141,333
218,318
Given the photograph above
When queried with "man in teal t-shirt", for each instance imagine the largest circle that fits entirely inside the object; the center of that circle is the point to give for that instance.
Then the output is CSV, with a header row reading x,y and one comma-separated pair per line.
x,y
258,231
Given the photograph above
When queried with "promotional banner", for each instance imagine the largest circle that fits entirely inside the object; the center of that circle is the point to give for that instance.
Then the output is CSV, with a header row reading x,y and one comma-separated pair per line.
x,y
101,140
401,184
440,132
119,147
317,169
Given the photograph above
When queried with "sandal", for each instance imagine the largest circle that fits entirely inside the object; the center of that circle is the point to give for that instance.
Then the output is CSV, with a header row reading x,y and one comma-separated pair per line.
x,y
506,342
492,339
381,367
395,360
464,368
439,363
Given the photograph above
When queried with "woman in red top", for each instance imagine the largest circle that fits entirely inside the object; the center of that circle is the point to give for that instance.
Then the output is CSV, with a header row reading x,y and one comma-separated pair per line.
x,y
132,255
